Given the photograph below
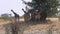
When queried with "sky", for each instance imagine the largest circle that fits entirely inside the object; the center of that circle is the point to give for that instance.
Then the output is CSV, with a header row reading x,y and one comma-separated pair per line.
x,y
16,5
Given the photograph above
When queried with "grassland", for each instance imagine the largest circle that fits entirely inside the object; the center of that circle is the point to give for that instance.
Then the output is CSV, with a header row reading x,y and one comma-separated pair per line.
x,y
26,27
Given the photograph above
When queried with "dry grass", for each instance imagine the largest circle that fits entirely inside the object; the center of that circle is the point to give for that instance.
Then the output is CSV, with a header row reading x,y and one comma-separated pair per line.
x,y
55,23
4,22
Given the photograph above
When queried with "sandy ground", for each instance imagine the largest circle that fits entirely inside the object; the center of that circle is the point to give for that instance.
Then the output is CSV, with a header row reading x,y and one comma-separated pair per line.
x,y
55,25
22,19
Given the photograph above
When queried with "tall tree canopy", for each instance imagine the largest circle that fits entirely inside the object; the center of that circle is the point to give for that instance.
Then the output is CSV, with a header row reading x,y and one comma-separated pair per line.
x,y
46,7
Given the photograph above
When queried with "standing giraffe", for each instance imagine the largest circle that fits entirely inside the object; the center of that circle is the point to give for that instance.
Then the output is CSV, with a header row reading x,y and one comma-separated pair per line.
x,y
26,15
14,26
37,16
15,14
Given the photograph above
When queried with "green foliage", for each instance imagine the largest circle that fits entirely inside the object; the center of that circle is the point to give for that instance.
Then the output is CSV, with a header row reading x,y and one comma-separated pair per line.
x,y
53,8
47,8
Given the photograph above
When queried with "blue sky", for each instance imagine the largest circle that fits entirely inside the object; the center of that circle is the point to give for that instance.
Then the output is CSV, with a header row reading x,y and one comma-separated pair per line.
x,y
16,5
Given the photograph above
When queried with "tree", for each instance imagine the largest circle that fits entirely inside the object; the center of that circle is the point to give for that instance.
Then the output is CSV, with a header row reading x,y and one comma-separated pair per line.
x,y
5,16
45,7
53,8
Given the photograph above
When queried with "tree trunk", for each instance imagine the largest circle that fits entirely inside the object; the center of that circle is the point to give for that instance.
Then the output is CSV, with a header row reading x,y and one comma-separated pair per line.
x,y
43,16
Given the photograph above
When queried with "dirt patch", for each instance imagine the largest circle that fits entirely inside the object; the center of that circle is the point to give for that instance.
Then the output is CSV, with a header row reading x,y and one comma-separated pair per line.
x,y
53,19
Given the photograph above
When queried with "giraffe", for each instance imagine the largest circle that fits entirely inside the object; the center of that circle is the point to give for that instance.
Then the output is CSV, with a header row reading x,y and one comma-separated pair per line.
x,y
15,14
15,25
37,16
26,15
